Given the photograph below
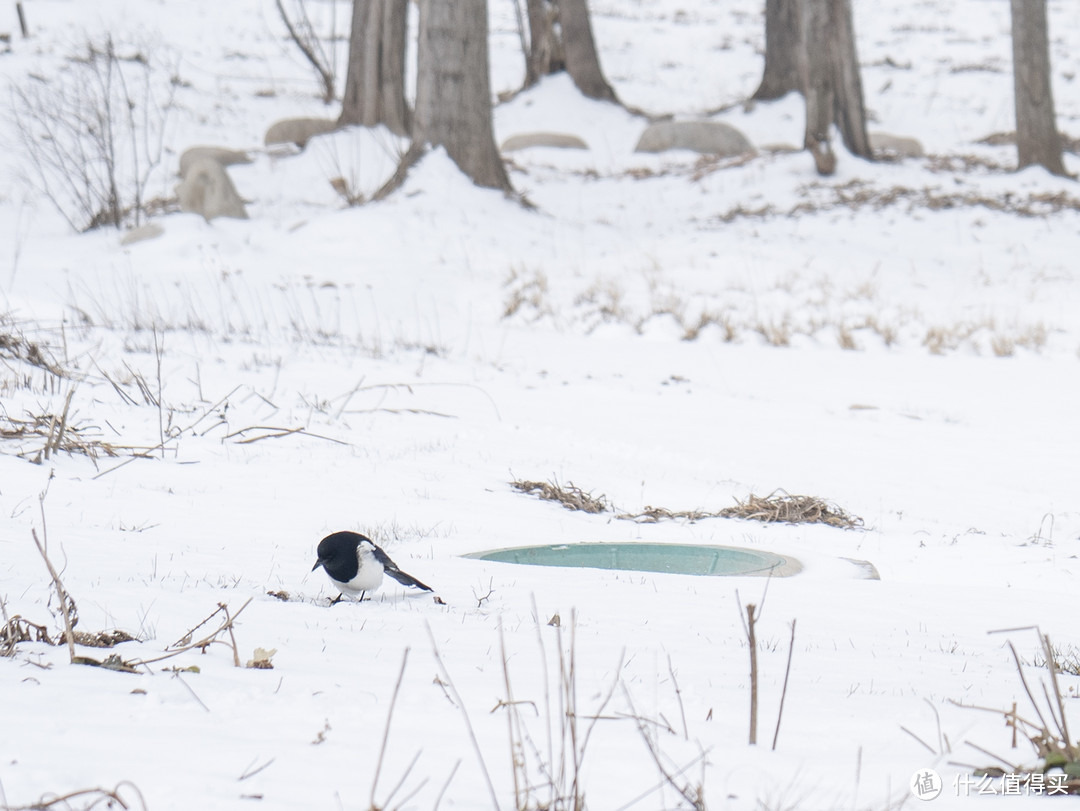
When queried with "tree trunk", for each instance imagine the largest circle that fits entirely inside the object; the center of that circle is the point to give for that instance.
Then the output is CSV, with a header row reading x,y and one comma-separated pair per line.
x,y
375,82
831,82
783,40
545,54
582,62
1037,138
453,89
561,38
817,84
850,110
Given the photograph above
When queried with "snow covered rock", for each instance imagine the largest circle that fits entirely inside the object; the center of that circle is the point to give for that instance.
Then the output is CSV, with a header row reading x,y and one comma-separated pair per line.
x,y
558,140
895,145
706,137
298,130
207,190
223,155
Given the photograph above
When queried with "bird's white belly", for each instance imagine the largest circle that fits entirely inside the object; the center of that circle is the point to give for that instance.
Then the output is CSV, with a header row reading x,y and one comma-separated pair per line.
x,y
368,578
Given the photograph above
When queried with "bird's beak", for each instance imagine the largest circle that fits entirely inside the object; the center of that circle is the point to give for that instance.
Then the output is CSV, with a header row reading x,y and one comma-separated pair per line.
x,y
318,563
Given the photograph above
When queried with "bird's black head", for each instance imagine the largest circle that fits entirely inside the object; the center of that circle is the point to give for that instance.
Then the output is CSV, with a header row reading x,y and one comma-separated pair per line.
x,y
337,555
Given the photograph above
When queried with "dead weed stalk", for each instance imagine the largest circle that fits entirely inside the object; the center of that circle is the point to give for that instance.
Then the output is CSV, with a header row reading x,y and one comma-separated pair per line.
x,y
188,642
1058,769
569,495
547,768
374,806
88,798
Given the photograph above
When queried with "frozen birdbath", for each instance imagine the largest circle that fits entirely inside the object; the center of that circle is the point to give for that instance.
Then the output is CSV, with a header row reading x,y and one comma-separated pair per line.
x,y
650,557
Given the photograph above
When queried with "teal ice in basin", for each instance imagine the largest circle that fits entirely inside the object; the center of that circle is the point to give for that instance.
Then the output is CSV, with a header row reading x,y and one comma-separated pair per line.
x,y
650,557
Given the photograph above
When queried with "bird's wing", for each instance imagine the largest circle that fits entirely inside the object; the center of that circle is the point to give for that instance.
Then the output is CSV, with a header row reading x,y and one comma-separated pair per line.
x,y
391,569
382,557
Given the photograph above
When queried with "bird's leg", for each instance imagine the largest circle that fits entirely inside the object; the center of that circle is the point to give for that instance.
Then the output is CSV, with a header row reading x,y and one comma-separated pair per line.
x,y
362,595
337,599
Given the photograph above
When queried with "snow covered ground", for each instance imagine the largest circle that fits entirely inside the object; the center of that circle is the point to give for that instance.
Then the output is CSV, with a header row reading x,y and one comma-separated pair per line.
x,y
901,340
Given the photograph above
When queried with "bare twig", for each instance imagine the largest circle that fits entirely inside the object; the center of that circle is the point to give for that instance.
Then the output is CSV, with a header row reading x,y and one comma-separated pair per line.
x,y
783,690
920,740
386,728
579,753
667,778
232,636
188,687
249,772
481,598
1023,681
693,796
678,695
513,724
61,594
57,427
1063,725
277,433
174,437
93,795
309,45
752,638
1013,767
446,785
401,782
184,644
448,684
159,349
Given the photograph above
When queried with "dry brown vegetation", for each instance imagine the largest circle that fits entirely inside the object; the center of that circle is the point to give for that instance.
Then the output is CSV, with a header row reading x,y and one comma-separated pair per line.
x,y
782,507
1045,726
858,194
779,506
569,495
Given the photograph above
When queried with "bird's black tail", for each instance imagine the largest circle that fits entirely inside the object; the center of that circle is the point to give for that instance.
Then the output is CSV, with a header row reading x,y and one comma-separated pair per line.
x,y
391,568
406,579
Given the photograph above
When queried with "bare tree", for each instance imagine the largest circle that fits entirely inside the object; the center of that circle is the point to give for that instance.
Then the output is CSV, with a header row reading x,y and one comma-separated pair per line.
x,y
453,93
93,135
561,38
831,81
375,79
783,41
303,35
1037,138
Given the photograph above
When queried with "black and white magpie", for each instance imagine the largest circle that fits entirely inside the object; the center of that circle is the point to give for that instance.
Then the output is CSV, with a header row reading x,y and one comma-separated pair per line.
x,y
355,565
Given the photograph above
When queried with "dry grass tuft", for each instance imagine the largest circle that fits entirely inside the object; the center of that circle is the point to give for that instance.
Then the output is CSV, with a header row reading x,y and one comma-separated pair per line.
x,y
845,338
654,515
527,294
708,318
1066,659
775,333
569,495
15,346
40,436
782,507
778,506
